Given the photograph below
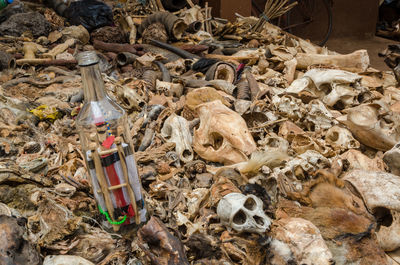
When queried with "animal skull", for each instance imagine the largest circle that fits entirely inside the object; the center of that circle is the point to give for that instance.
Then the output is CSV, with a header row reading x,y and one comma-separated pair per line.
x,y
304,240
372,127
170,89
223,135
176,130
381,194
129,98
330,85
341,139
243,213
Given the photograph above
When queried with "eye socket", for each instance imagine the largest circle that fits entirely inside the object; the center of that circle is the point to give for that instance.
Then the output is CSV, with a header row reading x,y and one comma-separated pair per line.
x,y
239,218
250,204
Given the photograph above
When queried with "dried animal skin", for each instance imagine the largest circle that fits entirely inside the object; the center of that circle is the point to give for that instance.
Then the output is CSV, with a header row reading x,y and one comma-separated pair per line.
x,y
304,240
246,251
14,249
347,234
55,222
176,130
161,246
223,135
367,125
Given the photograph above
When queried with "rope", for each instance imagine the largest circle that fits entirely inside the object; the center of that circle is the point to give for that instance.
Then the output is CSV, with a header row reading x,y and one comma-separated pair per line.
x,y
109,219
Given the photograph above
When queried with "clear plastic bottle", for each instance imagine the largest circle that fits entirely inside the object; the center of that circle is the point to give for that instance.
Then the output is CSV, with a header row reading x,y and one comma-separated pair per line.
x,y
105,139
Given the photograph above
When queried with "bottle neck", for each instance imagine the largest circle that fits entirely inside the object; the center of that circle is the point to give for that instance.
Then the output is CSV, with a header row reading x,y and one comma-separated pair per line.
x,y
93,85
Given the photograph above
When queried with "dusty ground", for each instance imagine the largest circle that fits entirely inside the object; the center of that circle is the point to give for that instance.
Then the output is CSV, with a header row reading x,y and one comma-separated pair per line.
x,y
374,45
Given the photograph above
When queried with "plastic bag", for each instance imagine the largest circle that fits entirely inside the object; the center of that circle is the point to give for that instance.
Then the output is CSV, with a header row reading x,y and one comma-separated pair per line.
x,y
89,13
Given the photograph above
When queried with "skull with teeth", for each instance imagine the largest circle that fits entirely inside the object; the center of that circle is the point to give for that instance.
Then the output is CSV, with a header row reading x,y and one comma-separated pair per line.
x,y
243,213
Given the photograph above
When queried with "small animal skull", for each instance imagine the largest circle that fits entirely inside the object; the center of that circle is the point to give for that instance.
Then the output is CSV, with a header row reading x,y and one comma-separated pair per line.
x,y
341,139
223,135
243,213
176,130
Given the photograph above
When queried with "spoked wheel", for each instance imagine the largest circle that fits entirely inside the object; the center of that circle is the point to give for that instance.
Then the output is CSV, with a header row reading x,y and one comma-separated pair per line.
x,y
310,19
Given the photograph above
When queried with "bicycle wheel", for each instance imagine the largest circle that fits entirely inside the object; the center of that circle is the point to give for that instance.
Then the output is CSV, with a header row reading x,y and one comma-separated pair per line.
x,y
311,19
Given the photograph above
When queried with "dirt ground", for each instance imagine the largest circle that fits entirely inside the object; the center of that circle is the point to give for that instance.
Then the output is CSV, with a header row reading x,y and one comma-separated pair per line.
x,y
374,45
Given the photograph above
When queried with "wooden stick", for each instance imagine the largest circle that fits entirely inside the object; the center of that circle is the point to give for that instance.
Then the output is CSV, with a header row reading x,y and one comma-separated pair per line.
x,y
102,181
126,176
206,18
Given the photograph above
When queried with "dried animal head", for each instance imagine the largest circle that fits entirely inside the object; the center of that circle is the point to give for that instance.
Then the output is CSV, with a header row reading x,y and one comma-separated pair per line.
x,y
223,135
176,130
169,89
129,98
243,213
381,194
372,127
341,139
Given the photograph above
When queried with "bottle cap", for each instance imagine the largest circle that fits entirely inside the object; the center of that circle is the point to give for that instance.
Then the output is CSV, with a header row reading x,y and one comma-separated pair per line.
x,y
87,58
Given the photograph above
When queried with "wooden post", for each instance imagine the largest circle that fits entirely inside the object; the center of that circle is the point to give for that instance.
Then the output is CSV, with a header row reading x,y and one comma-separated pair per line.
x,y
126,176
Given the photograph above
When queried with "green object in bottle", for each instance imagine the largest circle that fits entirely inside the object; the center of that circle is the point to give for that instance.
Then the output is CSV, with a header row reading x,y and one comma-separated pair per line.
x,y
4,3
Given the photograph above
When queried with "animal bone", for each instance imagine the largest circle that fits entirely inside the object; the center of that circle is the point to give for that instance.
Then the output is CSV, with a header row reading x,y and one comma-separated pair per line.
x,y
357,61
341,139
381,194
223,135
392,159
330,85
170,89
304,240
357,160
367,125
176,130
243,213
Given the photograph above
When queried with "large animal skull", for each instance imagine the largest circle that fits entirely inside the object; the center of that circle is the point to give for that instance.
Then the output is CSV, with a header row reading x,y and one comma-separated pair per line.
x,y
243,213
223,135
372,126
176,130
381,194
